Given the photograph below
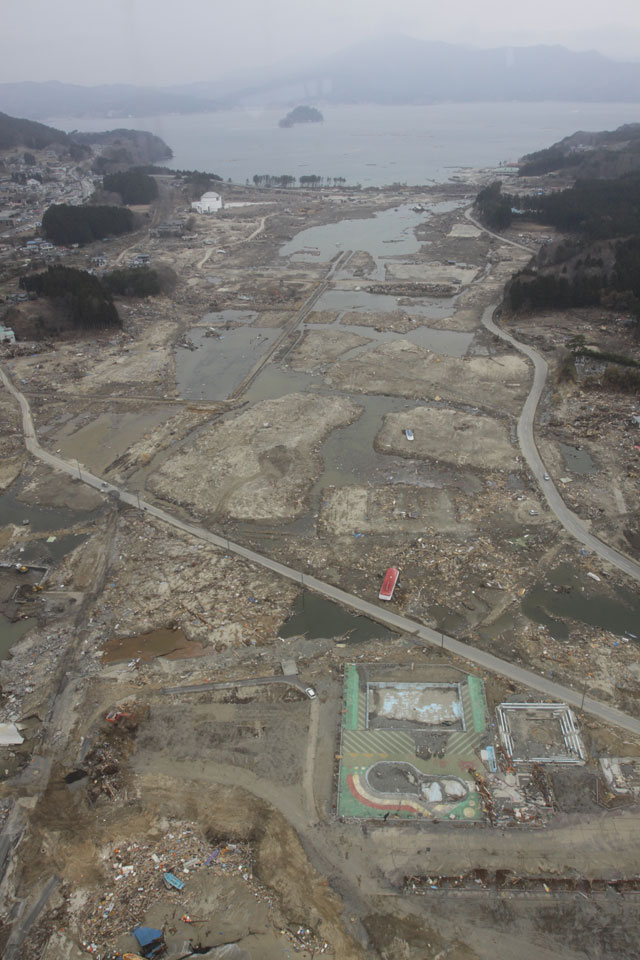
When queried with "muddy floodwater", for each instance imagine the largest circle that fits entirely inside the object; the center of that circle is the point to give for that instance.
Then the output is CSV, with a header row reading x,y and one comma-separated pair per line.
x,y
10,633
572,596
41,519
222,317
576,460
447,343
148,646
390,233
349,455
219,364
364,302
52,548
315,617
109,436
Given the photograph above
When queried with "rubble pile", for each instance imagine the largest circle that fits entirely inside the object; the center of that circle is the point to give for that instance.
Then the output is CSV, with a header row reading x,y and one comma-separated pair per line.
x,y
302,938
486,798
507,881
136,881
103,768
218,601
414,289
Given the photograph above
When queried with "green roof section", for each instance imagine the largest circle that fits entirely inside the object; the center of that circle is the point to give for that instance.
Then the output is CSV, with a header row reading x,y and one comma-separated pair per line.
x,y
478,703
351,691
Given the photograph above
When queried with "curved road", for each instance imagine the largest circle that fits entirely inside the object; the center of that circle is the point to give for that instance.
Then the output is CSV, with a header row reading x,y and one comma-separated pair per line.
x,y
572,523
383,615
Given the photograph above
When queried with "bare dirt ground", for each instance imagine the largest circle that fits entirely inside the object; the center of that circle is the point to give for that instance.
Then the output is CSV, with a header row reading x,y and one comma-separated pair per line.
x,y
264,460
391,511
319,475
316,349
449,435
406,370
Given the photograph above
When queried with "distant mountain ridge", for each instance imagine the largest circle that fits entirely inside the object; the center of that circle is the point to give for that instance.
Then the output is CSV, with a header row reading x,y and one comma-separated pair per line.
x,y
402,70
391,70
39,101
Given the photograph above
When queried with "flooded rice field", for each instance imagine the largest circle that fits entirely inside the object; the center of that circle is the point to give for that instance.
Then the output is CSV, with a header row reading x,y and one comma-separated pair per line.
x,y
227,347
39,519
362,301
106,438
10,633
390,233
219,364
569,596
447,343
224,317
315,617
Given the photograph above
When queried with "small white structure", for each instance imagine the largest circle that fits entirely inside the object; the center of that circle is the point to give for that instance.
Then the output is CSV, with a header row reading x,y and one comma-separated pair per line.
x,y
7,336
208,203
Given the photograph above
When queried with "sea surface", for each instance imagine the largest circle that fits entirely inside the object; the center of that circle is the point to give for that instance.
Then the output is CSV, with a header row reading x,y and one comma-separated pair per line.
x,y
367,144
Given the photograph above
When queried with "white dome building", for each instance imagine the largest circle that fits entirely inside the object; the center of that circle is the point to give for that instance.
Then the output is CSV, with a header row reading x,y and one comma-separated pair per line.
x,y
208,203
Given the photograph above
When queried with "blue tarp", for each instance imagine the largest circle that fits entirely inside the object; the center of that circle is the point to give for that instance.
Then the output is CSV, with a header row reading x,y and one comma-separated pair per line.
x,y
150,939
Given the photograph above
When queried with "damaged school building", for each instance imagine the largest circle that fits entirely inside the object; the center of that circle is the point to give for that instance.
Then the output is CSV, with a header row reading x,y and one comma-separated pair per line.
x,y
421,744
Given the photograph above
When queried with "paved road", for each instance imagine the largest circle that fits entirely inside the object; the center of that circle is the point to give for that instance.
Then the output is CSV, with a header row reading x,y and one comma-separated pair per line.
x,y
498,236
377,612
572,523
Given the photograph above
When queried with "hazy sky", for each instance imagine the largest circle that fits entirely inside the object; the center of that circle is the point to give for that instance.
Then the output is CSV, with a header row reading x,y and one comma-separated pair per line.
x,y
156,41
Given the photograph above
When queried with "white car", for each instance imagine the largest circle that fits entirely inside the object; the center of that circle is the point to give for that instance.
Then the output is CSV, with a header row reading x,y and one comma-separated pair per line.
x,y
547,477
408,433
310,692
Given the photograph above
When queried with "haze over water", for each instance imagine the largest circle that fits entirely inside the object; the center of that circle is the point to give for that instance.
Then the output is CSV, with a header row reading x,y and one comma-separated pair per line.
x,y
370,145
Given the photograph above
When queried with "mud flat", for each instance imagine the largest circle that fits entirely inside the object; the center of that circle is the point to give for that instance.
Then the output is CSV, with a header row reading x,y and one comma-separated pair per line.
x,y
139,362
258,465
432,273
323,316
394,321
405,370
315,349
449,435
390,510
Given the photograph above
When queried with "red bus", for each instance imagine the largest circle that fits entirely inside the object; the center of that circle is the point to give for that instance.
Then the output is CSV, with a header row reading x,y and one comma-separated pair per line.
x,y
389,583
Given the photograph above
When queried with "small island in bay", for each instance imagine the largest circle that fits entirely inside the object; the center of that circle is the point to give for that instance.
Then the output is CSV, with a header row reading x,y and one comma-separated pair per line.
x,y
301,115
